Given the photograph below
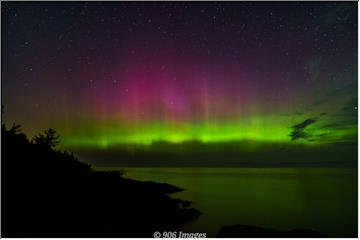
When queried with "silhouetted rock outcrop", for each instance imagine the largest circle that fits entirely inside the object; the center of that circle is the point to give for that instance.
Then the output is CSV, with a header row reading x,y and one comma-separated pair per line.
x,y
48,193
244,231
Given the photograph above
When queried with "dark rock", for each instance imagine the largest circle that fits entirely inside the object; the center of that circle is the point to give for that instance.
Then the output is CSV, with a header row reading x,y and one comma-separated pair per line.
x,y
244,231
49,193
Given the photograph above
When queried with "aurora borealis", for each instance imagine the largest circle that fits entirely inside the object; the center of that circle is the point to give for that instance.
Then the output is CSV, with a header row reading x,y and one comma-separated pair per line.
x,y
131,118
118,73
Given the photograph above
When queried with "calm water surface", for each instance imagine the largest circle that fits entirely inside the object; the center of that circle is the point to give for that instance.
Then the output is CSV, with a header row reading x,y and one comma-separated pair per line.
x,y
321,199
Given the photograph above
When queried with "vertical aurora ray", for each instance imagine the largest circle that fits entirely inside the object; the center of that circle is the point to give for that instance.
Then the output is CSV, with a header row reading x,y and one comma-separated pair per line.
x,y
175,72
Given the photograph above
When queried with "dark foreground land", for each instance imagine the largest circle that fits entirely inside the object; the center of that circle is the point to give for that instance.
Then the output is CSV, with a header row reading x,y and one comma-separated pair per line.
x,y
48,193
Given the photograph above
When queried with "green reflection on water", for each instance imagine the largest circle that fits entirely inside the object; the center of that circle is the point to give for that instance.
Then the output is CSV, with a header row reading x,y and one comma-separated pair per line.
x,y
321,199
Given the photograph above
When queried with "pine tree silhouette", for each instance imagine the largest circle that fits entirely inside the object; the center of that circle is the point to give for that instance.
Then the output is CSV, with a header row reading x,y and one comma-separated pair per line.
x,y
47,139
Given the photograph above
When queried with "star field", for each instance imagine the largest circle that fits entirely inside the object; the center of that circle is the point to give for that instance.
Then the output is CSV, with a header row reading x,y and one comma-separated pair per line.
x,y
136,72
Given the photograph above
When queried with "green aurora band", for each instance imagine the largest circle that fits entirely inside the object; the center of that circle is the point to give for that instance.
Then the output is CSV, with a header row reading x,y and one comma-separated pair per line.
x,y
256,129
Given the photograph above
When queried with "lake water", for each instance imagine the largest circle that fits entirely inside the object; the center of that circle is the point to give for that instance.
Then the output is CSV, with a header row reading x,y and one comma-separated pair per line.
x,y
321,199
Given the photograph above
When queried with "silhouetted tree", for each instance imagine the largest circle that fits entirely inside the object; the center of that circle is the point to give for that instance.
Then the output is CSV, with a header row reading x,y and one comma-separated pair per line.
x,y
51,193
47,139
15,129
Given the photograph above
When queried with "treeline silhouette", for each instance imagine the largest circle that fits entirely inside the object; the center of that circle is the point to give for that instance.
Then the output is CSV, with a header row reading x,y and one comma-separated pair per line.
x,y
49,193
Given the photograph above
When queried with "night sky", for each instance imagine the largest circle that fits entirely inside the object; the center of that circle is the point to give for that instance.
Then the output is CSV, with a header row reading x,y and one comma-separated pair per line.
x,y
115,73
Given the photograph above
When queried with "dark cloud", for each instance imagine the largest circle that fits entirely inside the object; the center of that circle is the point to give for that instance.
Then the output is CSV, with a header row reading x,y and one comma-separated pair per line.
x,y
304,124
297,134
299,129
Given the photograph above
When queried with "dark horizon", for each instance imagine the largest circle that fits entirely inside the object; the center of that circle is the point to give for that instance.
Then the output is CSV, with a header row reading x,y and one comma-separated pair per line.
x,y
226,154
